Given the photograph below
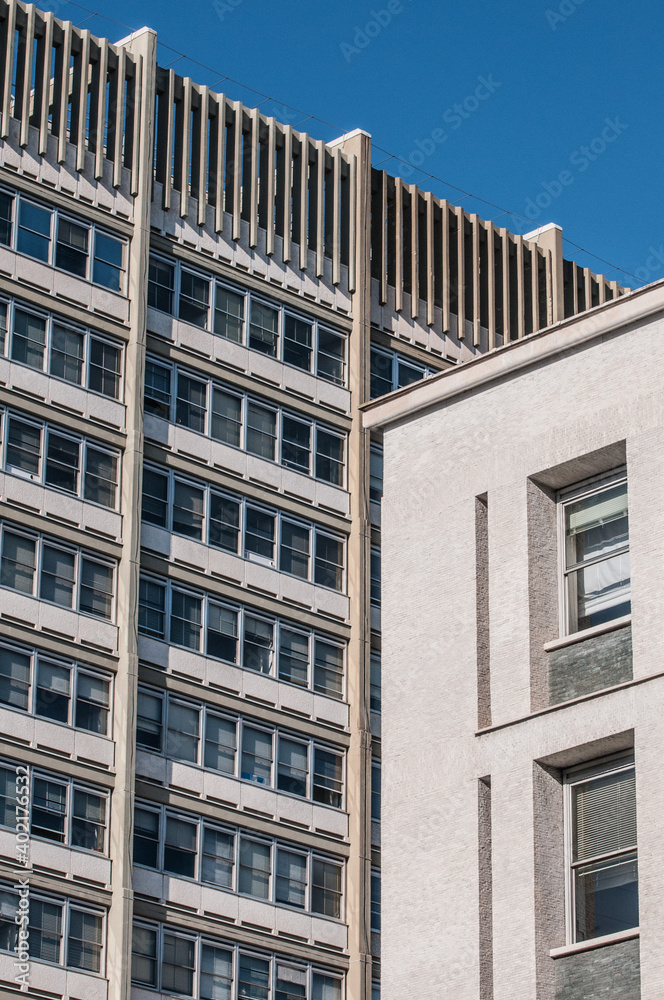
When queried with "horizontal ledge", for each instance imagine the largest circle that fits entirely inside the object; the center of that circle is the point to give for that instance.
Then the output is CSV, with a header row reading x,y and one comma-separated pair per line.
x,y
600,942
587,633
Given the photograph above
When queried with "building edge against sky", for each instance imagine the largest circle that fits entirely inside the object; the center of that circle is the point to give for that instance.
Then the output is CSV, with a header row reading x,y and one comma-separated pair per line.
x,y
522,687
196,301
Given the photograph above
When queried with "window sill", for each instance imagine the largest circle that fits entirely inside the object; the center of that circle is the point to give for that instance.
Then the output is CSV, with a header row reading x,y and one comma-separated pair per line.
x,y
600,942
587,633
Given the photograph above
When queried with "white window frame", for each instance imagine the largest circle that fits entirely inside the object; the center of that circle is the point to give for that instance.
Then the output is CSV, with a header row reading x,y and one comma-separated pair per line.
x,y
588,487
583,772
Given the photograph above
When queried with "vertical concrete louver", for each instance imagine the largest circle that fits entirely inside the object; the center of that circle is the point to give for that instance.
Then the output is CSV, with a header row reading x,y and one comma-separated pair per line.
x,y
238,200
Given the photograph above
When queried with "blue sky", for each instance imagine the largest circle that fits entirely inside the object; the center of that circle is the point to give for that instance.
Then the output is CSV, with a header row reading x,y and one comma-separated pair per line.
x,y
550,109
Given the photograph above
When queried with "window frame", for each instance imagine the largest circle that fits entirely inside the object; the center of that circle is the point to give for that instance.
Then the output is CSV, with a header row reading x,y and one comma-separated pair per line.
x,y
565,497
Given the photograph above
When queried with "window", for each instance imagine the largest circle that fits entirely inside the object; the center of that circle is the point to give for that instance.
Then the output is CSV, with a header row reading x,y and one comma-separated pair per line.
x,y
375,695
197,734
376,473
270,646
62,931
44,341
61,809
375,790
54,238
375,575
272,329
600,815
235,860
242,421
61,461
375,901
596,573
391,371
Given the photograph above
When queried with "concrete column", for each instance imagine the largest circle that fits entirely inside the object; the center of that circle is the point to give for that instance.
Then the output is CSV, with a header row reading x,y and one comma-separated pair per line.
x,y
551,238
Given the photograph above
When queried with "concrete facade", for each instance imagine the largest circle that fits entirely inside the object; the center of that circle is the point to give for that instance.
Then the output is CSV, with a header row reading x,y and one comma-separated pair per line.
x,y
471,627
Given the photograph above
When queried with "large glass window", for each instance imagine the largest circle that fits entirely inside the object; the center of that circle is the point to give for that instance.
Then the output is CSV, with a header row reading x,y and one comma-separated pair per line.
x,y
596,555
603,886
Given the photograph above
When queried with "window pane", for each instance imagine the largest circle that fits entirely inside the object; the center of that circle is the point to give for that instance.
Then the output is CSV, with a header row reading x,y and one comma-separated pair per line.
x,y
62,462
222,632
104,369
71,251
8,797
291,878
297,342
67,354
291,983
216,973
194,298
34,231
8,925
328,570
85,940
294,552
327,777
6,203
375,576
220,743
180,847
88,828
224,522
292,770
258,644
259,535
255,865
256,756
326,888
254,978
57,576
53,690
28,339
229,315
161,283
18,562
191,403
226,417
101,477
329,457
375,682
146,837
325,987
144,956
96,596
149,716
23,447
92,703
177,970
157,390
375,791
604,815
295,444
381,373
182,736
607,897
188,507
14,678
328,669
49,807
331,357
107,265
261,431
293,656
376,474
218,855
3,305
155,498
264,329
375,902
185,620
45,930
151,608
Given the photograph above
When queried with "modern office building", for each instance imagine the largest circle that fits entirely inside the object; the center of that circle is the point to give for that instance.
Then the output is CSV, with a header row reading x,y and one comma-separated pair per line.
x,y
195,301
522,680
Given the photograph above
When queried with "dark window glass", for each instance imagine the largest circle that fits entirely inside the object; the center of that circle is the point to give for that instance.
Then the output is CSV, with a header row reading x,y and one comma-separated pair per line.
x,y
155,498
177,968
224,522
182,733
253,978
96,591
222,633
293,656
294,551
261,431
157,390
71,251
18,562
220,744
254,872
101,477
57,576
331,357
107,264
144,956
151,608
328,669
216,973
6,202
291,881
28,339
264,329
256,764
49,808
34,231
329,457
180,847
188,509
67,354
259,534
327,777
84,941
295,444
297,342
88,825
23,447
53,691
229,315
45,930
226,417
258,644
191,403
14,678
326,888
328,570
92,703
146,837
161,285
149,721
218,856
185,620
381,374
62,462
194,298
104,369
292,768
